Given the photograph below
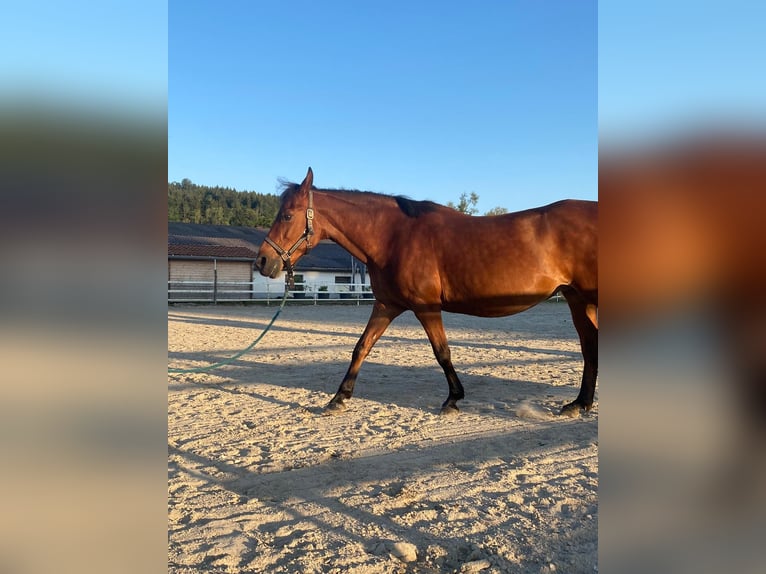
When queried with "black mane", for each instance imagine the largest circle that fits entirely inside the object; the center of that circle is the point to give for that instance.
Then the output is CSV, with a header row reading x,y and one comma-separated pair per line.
x,y
413,208
288,187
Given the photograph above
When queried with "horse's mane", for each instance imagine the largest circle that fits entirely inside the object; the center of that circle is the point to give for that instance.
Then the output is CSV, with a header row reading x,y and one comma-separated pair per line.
x,y
413,208
410,207
288,188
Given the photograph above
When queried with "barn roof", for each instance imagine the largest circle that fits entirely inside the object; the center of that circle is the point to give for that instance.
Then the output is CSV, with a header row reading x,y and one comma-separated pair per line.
x,y
200,241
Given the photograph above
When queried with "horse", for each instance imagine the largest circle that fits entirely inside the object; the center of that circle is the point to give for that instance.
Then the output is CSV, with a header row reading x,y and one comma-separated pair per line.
x,y
428,258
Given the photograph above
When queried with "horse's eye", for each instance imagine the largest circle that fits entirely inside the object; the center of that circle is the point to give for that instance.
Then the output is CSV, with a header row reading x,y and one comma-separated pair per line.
x,y
287,216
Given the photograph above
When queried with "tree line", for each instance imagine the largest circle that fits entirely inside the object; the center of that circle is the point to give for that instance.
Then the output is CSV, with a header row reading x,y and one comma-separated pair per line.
x,y
468,203
189,202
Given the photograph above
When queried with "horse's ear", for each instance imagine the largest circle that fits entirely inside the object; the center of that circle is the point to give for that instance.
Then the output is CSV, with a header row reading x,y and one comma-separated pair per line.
x,y
308,181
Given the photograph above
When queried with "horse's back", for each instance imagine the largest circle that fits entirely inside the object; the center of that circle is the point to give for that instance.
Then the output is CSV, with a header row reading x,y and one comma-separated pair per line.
x,y
503,264
566,228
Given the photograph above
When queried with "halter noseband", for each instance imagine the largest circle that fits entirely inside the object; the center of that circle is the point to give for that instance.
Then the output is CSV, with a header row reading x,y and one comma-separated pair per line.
x,y
307,233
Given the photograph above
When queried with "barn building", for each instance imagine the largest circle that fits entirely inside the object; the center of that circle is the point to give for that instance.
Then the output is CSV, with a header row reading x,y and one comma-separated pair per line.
x,y
215,263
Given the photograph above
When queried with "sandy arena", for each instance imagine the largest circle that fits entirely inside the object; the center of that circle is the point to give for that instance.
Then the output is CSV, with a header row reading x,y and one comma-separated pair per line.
x,y
260,481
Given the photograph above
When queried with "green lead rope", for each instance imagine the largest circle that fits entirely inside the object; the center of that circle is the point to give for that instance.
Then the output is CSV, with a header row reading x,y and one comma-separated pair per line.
x,y
237,355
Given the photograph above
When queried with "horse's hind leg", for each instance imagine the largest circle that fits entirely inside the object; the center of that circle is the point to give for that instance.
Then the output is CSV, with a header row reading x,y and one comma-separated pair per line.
x,y
432,323
379,320
584,319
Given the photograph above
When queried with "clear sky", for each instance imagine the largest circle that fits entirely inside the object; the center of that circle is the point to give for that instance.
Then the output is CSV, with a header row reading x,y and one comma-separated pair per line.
x,y
428,99
665,67
86,55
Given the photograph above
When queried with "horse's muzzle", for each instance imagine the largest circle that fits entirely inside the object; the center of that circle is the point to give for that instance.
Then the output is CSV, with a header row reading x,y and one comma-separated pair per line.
x,y
268,266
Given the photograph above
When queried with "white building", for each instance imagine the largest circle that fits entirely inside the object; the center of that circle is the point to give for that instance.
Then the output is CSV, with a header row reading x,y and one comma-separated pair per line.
x,y
215,263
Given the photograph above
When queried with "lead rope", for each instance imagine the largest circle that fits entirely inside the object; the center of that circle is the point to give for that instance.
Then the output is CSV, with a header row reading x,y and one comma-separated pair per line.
x,y
235,356
289,284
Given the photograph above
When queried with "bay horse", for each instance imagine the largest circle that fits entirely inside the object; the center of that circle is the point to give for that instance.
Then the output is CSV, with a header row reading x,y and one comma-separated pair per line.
x,y
428,258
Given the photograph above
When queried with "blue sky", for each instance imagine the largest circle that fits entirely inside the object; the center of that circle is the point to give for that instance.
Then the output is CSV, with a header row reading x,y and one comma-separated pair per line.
x,y
666,67
426,99
106,56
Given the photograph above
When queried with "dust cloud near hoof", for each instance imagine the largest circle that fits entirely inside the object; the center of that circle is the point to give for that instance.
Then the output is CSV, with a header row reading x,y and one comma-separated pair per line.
x,y
529,411
449,411
572,410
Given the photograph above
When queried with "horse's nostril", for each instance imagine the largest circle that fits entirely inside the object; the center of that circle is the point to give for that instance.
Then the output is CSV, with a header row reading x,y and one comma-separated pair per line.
x,y
260,262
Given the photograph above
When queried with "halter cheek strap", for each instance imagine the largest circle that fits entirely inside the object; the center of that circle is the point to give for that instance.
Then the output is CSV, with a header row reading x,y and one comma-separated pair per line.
x,y
307,234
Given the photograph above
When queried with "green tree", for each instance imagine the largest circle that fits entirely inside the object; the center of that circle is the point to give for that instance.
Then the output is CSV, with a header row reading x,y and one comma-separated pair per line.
x,y
192,203
467,203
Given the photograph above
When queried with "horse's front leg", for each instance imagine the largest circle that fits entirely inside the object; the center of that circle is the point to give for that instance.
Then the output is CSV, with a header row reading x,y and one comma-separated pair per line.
x,y
380,319
432,323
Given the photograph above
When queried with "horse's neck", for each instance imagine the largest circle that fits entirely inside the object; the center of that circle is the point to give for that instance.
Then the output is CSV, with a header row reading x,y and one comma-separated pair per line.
x,y
356,229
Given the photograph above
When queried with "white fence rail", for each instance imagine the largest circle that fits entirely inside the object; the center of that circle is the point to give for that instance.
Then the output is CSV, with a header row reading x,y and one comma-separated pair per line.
x,y
249,291
196,291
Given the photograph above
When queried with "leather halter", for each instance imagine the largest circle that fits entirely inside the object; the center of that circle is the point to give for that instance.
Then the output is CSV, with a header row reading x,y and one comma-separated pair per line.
x,y
307,233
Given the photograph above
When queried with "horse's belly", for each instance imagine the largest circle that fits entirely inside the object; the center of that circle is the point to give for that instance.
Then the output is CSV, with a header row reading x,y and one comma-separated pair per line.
x,y
489,308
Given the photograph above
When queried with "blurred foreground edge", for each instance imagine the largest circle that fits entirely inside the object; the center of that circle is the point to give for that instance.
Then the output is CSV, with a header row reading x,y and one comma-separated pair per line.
x,y
683,339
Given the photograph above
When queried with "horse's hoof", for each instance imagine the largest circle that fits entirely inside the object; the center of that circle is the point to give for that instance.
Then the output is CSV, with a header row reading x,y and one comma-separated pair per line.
x,y
572,410
334,408
449,411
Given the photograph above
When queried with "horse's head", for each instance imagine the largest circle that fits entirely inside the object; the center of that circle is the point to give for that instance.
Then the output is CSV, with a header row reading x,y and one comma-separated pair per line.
x,y
292,232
